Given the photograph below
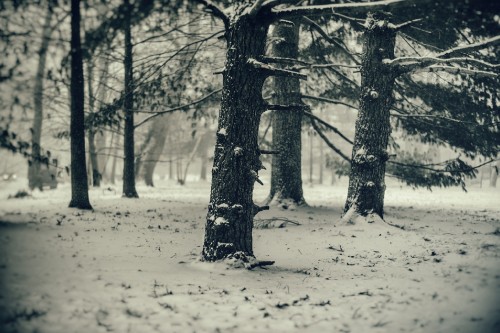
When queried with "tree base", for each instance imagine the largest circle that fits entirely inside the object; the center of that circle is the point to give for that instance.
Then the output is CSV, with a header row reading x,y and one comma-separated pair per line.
x,y
285,203
354,217
130,195
80,204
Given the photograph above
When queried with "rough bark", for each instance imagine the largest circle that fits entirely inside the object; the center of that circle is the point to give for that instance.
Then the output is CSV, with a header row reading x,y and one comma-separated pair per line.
x,y
369,154
228,232
129,190
34,179
79,185
286,173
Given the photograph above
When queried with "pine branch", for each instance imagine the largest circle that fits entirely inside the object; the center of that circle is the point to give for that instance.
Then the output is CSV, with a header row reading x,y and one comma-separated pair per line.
x,y
328,143
273,71
425,167
328,100
327,125
409,64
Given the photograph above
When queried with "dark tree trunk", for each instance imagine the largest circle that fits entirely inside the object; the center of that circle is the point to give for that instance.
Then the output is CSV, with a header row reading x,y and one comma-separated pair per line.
x,y
34,179
286,174
94,163
159,131
79,185
129,190
231,209
369,155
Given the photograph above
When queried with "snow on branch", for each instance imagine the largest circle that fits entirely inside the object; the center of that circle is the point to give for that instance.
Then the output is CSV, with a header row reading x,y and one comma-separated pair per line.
x,y
273,71
177,108
469,48
415,62
455,70
284,61
278,107
328,100
327,125
328,142
403,25
361,7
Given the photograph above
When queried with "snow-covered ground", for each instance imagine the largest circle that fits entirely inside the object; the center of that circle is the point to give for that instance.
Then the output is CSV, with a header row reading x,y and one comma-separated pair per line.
x,y
133,265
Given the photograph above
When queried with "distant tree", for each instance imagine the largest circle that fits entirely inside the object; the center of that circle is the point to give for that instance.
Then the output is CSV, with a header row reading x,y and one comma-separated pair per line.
x,y
79,184
34,177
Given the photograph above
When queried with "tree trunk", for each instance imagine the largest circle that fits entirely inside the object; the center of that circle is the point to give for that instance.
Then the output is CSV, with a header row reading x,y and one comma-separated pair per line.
x,y
94,163
142,151
159,131
203,169
228,232
129,190
321,161
112,175
34,179
286,173
369,155
79,185
494,174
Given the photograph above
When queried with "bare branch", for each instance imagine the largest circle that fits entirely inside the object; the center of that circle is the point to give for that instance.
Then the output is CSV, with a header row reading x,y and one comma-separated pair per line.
x,y
181,107
256,7
273,71
330,39
328,142
284,61
328,100
292,107
327,125
216,11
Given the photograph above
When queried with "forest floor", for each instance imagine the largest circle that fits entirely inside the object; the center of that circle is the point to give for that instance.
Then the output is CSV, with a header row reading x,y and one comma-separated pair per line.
x,y
132,265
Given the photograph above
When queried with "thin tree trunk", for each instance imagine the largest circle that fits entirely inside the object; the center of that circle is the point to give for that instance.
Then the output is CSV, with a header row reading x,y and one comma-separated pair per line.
x,y
203,169
494,174
159,130
112,175
129,190
311,169
286,174
190,158
369,155
34,179
228,232
94,163
79,185
321,161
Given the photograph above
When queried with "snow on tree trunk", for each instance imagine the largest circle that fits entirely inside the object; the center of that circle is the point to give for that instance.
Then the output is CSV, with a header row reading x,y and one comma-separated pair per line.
x,y
229,223
286,174
129,190
34,179
79,185
369,155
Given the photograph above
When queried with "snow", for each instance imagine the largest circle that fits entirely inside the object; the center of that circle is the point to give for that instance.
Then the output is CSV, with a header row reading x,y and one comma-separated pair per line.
x,y
133,264
222,131
220,220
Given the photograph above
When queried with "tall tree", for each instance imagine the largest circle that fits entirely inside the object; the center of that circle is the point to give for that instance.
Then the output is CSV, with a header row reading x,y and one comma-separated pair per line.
x,y
34,178
79,184
129,190
286,172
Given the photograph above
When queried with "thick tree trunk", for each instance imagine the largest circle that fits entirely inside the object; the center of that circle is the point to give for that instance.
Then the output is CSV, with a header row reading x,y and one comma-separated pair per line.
x,y
129,190
228,232
286,174
34,179
369,155
79,185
